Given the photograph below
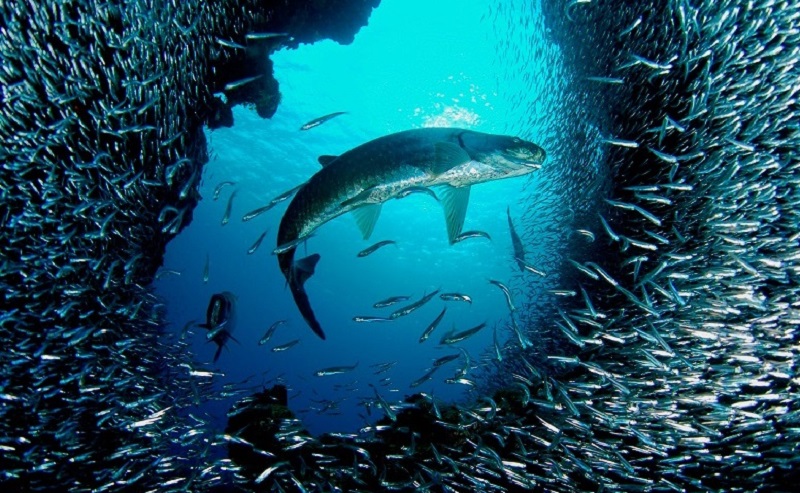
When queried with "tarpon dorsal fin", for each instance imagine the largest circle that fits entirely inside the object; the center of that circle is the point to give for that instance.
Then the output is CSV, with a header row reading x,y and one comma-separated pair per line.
x,y
455,201
325,159
448,156
366,217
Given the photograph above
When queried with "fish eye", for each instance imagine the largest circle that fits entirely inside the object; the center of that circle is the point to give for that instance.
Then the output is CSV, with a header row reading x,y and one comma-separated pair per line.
x,y
516,140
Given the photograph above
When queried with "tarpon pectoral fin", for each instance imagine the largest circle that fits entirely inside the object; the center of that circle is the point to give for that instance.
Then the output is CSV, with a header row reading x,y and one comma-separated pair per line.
x,y
325,160
219,351
448,156
454,201
366,217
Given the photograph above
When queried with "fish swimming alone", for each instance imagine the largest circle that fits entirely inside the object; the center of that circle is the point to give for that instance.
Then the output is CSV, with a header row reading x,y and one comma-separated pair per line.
x,y
220,319
361,179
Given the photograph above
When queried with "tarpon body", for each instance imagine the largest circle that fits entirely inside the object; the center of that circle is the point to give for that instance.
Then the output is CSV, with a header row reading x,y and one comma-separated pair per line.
x,y
361,179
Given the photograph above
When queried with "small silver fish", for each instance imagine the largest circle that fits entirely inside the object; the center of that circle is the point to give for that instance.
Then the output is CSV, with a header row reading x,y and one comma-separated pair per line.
x,y
220,186
268,335
230,44
334,370
257,244
288,246
257,36
284,347
228,208
506,292
319,121
432,326
445,359
390,301
417,189
471,234
230,86
413,306
424,378
454,337
455,297
373,248
272,203
371,319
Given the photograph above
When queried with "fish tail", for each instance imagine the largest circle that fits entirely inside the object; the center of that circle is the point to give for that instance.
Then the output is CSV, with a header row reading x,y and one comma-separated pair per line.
x,y
301,271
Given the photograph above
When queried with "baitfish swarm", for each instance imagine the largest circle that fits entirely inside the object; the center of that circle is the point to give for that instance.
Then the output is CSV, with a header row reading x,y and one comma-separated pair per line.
x,y
673,227
101,153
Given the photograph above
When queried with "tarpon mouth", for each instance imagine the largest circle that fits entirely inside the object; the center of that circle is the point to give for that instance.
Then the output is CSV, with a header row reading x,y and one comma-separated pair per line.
x,y
525,157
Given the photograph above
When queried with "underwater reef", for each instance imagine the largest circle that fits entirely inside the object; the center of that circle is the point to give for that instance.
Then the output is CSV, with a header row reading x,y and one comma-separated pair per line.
x,y
673,369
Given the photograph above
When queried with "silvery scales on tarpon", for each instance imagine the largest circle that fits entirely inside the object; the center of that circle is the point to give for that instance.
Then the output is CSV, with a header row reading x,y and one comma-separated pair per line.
x,y
361,179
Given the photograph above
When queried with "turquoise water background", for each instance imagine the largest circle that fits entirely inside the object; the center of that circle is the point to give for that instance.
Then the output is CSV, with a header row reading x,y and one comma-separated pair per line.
x,y
404,70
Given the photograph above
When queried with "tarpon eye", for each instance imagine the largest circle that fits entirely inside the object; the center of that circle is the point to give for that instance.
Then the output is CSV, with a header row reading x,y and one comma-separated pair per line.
x,y
516,140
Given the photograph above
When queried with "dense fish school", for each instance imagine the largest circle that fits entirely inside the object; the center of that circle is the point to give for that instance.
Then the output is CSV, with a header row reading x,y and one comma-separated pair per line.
x,y
658,353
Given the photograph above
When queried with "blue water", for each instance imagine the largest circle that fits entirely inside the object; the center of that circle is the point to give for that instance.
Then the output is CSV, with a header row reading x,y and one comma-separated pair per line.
x,y
404,70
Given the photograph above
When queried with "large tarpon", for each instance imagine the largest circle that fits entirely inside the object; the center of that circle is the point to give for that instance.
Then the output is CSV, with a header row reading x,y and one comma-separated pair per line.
x,y
361,179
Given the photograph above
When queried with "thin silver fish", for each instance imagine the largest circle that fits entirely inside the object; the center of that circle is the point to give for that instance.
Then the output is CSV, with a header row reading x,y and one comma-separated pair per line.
x,y
445,359
390,301
432,326
228,208
471,234
453,337
319,121
455,297
284,347
371,249
334,370
259,36
371,319
272,203
268,335
220,186
410,308
257,244
230,86
506,292
290,245
417,189
424,378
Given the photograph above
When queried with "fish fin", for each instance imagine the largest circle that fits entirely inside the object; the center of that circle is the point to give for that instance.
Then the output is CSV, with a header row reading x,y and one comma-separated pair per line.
x,y
234,339
219,351
325,159
455,201
304,268
366,217
204,326
448,156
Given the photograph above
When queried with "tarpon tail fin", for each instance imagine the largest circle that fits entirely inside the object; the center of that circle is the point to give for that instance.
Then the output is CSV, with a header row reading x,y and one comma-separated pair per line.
x,y
301,271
